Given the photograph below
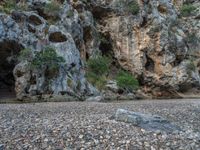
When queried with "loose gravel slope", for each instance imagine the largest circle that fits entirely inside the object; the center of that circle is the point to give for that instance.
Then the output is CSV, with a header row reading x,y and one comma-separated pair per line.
x,y
83,125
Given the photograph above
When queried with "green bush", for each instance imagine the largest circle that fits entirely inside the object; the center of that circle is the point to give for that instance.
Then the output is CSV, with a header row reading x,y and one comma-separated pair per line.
x,y
99,65
187,9
133,7
70,13
127,81
91,77
97,80
52,11
9,5
25,54
97,69
22,7
52,8
70,82
47,58
128,6
190,67
193,39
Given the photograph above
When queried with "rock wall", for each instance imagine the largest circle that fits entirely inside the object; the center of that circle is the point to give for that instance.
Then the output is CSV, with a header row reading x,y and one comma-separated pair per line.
x,y
32,31
154,44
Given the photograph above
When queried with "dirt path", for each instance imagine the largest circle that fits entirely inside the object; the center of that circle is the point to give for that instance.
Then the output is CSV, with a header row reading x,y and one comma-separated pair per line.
x,y
76,125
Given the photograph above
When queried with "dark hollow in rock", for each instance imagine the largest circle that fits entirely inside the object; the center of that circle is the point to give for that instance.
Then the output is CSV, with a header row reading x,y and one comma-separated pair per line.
x,y
61,1
162,9
18,16
31,29
106,46
87,35
184,87
144,22
79,7
100,12
19,73
9,51
57,37
35,20
40,10
33,80
149,66
145,121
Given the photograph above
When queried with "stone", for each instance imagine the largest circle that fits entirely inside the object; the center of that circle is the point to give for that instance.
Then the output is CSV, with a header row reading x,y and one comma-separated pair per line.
x,y
145,121
112,86
2,147
81,136
129,96
95,99
141,95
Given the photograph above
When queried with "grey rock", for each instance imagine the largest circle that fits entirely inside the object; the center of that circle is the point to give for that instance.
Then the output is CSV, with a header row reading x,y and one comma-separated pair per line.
x,y
151,43
145,121
95,99
35,34
112,86
2,147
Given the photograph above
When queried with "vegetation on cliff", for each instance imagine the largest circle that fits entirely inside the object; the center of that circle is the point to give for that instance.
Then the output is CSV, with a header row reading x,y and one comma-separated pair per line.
x,y
97,71
127,81
154,41
46,58
187,9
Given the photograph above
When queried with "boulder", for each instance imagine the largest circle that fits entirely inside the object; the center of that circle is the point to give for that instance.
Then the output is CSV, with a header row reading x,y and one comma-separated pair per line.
x,y
2,147
95,99
145,121
112,86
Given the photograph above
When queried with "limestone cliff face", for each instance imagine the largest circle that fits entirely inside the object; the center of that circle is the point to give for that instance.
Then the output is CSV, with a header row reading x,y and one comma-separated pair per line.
x,y
27,29
153,44
156,44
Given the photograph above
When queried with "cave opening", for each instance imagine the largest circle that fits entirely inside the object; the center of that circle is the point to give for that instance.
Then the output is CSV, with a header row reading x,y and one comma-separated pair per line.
x,y
106,45
149,66
9,51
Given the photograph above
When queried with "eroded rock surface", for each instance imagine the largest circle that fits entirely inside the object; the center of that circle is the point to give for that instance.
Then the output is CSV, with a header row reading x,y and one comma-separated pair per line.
x,y
33,32
153,44
156,44
145,121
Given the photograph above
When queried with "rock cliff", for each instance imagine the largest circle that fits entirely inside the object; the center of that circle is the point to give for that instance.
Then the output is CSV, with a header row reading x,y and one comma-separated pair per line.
x,y
158,41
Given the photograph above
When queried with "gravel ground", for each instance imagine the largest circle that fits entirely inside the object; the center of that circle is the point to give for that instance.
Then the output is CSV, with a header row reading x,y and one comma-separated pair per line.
x,y
84,125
